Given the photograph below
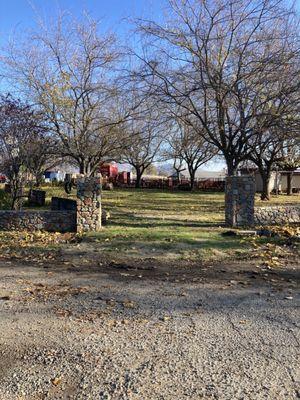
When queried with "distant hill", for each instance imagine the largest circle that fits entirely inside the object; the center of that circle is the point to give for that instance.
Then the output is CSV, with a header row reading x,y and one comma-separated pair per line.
x,y
202,174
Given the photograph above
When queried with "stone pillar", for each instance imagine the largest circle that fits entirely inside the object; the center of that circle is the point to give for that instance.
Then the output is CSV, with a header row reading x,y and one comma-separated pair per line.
x,y
88,204
239,200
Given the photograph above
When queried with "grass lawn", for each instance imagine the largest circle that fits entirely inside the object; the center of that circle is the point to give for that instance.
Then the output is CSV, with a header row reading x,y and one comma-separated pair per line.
x,y
165,224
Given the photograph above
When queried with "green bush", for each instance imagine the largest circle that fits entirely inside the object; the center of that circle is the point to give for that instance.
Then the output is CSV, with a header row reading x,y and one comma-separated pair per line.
x,y
5,200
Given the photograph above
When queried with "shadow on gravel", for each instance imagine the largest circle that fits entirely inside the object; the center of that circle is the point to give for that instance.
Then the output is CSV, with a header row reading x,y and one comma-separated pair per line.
x,y
241,272
149,270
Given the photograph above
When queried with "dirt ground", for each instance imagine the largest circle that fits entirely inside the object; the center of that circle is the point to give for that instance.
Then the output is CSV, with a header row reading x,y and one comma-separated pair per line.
x,y
85,326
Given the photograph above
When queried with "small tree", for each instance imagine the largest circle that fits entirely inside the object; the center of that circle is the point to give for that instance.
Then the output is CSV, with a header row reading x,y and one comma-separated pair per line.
x,y
186,146
20,127
43,156
178,165
290,161
69,70
144,135
266,153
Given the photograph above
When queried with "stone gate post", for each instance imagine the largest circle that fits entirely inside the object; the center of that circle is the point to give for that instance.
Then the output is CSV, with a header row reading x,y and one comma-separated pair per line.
x,y
239,200
89,204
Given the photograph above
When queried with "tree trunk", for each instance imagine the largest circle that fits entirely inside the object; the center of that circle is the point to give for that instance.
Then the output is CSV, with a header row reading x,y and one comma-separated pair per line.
x,y
265,176
192,178
81,168
265,194
289,179
85,168
139,174
231,168
17,196
38,179
14,205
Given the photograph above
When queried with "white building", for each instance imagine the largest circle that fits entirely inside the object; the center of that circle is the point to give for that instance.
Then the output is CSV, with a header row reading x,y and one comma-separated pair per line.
x,y
278,180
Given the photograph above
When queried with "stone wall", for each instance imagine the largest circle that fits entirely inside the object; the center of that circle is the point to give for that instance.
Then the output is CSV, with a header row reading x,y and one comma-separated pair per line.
x,y
89,204
240,210
66,215
81,215
239,200
280,215
51,221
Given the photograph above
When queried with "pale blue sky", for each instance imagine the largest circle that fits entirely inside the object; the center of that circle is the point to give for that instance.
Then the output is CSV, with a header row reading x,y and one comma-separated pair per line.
x,y
21,14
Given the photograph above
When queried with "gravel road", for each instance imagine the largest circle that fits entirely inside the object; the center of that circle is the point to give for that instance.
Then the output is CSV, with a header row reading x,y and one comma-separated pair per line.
x,y
69,332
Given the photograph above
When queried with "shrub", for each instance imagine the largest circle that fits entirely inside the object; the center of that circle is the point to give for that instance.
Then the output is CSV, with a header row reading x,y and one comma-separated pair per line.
x,y
5,200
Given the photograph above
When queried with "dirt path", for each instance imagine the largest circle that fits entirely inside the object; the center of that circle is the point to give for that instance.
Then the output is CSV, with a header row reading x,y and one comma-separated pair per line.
x,y
97,329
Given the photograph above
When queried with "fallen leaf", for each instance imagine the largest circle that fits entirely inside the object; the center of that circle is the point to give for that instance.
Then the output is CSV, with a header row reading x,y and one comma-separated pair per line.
x,y
56,381
129,304
165,318
183,294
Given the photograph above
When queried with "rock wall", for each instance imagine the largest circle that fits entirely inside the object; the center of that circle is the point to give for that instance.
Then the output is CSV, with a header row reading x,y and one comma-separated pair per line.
x,y
240,210
239,200
51,221
280,215
66,215
89,204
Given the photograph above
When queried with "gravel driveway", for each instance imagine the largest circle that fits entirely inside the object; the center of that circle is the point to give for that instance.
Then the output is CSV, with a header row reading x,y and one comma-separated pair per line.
x,y
110,333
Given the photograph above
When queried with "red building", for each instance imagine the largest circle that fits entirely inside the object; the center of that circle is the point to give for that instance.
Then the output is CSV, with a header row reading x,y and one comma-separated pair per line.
x,y
109,170
123,177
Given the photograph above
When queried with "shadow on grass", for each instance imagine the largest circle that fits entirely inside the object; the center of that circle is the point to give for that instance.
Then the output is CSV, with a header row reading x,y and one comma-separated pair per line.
x,y
153,242
131,220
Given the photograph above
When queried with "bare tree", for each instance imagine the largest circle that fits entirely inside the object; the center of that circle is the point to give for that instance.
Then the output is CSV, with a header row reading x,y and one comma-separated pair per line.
x,y
272,134
187,146
43,156
290,160
20,126
69,70
177,164
266,153
212,58
145,133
